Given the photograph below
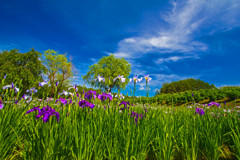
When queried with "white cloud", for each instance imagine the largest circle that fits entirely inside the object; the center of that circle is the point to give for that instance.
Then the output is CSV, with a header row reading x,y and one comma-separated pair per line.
x,y
94,60
142,87
174,59
185,22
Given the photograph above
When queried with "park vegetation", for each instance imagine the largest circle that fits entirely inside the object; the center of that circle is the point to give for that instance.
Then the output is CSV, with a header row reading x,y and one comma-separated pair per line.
x,y
48,120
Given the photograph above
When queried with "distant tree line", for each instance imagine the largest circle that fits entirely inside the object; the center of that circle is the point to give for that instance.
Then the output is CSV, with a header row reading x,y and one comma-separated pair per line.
x,y
184,85
227,93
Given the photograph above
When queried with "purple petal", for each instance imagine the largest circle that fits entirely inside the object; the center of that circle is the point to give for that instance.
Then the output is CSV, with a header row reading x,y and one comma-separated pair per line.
x,y
1,106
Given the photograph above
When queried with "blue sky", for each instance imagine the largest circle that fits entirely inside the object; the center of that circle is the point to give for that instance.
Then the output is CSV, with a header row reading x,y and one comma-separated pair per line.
x,y
169,40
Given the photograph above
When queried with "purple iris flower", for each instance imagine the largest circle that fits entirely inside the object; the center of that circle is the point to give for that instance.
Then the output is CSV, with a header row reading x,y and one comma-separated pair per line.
x,y
49,99
125,105
70,100
213,103
16,90
136,115
75,87
41,84
133,114
120,77
26,96
7,86
1,104
16,101
84,103
5,76
145,109
104,96
136,119
32,90
57,83
46,112
147,78
63,101
90,94
99,78
12,86
66,93
199,111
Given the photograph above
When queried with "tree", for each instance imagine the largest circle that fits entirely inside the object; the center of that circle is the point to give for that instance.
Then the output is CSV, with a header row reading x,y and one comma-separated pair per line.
x,y
58,69
26,67
109,68
184,85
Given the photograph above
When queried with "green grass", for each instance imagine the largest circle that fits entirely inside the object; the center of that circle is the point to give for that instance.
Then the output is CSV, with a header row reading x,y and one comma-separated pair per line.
x,y
109,134
163,133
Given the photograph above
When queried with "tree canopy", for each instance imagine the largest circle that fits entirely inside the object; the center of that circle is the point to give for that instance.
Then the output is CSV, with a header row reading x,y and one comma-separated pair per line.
x,y
184,85
109,68
58,69
26,67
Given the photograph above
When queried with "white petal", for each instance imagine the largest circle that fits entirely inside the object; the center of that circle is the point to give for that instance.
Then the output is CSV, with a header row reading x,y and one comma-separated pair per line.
x,y
123,79
17,89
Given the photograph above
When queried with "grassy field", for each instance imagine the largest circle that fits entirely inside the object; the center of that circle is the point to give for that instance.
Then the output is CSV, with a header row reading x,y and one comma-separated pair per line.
x,y
110,131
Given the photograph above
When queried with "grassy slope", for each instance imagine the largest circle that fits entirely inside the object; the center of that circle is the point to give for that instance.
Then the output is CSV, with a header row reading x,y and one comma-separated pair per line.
x,y
229,103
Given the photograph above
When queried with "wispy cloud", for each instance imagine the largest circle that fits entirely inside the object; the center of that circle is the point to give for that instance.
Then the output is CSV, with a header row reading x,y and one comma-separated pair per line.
x,y
174,59
185,23
142,87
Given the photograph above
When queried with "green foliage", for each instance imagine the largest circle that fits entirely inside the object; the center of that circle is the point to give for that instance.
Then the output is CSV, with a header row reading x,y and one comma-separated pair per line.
x,y
229,92
58,69
26,67
109,68
184,85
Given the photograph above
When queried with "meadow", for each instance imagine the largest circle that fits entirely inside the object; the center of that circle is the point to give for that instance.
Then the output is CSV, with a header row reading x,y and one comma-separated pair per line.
x,y
90,126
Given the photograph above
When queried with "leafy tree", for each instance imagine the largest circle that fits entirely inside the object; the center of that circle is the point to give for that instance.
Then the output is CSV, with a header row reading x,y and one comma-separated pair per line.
x,y
58,69
184,85
26,67
109,68
231,92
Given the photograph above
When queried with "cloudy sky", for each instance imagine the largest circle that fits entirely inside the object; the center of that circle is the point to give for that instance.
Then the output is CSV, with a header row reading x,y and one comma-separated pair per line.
x,y
168,39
